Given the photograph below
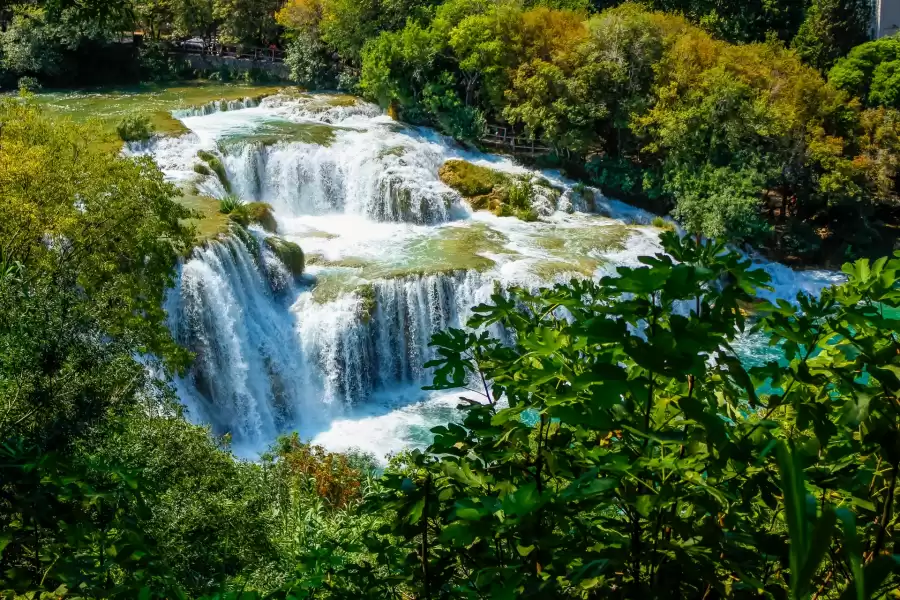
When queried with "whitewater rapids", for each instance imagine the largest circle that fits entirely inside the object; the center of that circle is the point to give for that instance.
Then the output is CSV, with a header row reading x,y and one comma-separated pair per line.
x,y
393,256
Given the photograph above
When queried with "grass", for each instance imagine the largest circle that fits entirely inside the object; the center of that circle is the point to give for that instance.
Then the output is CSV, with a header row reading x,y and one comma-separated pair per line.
x,y
109,106
211,222
229,204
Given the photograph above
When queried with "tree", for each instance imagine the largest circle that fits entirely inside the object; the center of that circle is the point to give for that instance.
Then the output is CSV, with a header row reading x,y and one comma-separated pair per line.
x,y
248,22
869,72
89,245
831,29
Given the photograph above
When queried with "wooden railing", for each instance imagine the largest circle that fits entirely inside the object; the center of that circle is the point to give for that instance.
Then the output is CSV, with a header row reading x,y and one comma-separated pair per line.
x,y
498,135
235,51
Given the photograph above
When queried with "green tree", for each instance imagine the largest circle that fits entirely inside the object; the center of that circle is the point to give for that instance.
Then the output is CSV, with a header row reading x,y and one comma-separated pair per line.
x,y
831,29
89,245
869,72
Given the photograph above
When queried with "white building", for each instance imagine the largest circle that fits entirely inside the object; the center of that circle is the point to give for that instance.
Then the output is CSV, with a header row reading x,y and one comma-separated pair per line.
x,y
886,20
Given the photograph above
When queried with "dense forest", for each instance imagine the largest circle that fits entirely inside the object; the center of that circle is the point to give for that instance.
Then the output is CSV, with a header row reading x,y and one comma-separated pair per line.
x,y
617,447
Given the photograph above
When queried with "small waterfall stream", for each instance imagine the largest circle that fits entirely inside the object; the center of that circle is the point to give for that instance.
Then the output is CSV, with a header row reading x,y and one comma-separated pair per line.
x,y
393,256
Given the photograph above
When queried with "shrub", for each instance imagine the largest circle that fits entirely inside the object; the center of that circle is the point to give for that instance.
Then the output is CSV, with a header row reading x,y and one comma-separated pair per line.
x,y
230,203
29,84
635,455
134,128
660,223
202,169
520,194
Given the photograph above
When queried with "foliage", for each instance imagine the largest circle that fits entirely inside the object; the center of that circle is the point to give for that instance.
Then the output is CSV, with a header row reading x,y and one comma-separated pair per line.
x,y
620,448
720,201
310,63
831,29
90,241
212,515
28,46
335,478
740,22
134,128
75,526
868,72
230,203
29,84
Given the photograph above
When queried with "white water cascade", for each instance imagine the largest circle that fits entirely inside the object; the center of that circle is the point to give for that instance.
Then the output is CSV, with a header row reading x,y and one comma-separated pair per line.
x,y
393,256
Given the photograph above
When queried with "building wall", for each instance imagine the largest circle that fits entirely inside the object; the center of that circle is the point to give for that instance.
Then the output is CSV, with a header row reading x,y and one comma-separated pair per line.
x,y
887,18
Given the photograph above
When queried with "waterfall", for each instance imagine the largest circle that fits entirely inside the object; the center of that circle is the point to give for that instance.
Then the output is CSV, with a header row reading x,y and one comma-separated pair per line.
x,y
394,256
247,377
263,367
214,107
347,177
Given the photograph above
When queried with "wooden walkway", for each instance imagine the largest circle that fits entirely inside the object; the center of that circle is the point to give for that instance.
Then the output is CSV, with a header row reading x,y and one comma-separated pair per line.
x,y
505,137
245,52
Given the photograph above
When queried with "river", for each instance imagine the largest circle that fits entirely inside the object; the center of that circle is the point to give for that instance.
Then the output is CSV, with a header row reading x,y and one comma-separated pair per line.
x,y
393,255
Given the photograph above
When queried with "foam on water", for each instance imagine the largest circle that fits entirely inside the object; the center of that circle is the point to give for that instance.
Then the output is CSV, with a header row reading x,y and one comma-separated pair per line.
x,y
393,256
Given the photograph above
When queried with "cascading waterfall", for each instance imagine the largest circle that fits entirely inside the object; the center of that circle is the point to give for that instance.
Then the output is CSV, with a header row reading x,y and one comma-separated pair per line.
x,y
393,256
246,377
214,107
311,179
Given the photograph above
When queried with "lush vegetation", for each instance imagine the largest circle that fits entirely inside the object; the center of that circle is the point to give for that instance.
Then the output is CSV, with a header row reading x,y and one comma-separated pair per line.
x,y
748,141
716,112
615,445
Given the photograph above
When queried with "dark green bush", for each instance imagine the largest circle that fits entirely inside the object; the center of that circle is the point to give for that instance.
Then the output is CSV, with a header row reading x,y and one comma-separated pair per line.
x,y
134,128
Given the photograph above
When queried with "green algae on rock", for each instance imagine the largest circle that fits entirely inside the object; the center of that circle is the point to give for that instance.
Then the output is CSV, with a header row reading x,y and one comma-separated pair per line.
x,y
503,194
209,222
255,212
288,253
215,165
110,105
451,249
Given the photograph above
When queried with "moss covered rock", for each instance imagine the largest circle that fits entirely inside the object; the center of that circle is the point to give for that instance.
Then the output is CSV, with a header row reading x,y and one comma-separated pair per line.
x,y
471,180
521,196
287,252
216,166
261,213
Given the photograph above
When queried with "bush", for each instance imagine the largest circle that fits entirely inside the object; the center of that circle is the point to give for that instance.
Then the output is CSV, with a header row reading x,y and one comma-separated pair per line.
x,y
634,455
202,169
520,194
134,128
230,204
661,223
29,84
